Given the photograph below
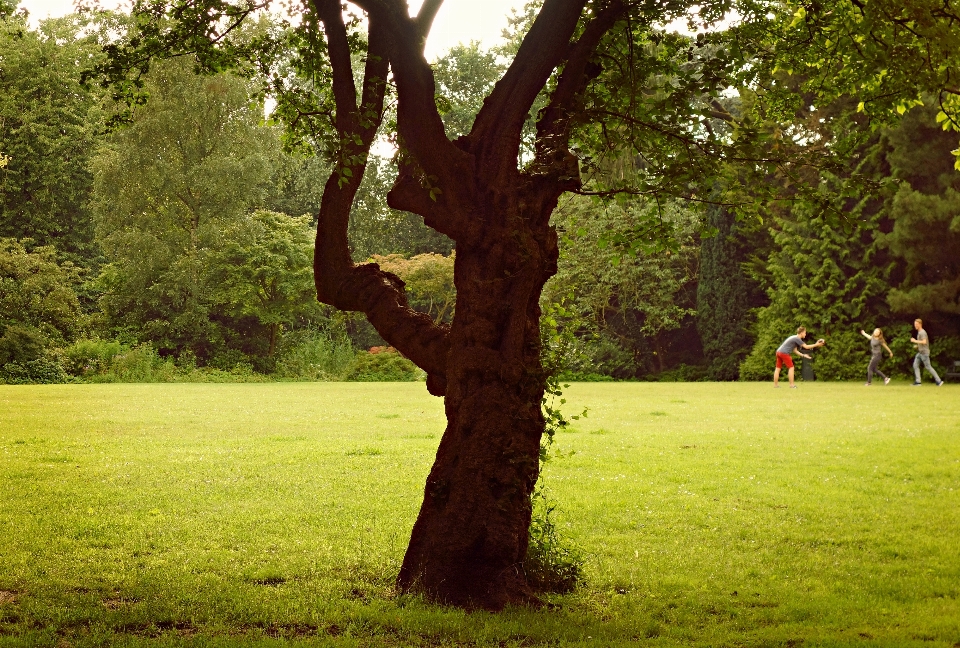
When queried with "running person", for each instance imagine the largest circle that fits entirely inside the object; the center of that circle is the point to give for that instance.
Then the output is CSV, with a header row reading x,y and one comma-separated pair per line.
x,y
923,354
877,344
792,345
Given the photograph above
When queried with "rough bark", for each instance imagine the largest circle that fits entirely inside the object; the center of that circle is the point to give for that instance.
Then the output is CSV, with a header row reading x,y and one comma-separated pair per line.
x,y
471,535
470,538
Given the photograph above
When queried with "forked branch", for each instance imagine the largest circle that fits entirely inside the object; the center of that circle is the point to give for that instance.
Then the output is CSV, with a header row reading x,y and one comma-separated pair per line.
x,y
366,288
496,134
444,171
553,127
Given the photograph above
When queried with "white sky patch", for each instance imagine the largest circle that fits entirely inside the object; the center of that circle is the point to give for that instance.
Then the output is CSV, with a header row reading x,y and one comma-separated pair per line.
x,y
462,21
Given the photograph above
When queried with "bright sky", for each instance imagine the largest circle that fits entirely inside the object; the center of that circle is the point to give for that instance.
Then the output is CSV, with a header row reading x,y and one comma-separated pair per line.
x,y
459,21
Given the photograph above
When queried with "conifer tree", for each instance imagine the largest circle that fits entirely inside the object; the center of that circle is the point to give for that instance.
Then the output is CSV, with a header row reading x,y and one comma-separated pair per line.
x,y
723,295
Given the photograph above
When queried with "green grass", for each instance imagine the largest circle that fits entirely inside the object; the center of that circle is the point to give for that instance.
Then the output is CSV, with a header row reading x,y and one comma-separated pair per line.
x,y
275,514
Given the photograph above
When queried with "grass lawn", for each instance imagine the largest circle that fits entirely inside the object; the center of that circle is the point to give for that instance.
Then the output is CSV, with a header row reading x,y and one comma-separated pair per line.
x,y
276,514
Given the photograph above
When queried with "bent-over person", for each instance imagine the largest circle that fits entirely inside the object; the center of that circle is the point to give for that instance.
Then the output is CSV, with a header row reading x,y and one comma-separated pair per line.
x,y
792,344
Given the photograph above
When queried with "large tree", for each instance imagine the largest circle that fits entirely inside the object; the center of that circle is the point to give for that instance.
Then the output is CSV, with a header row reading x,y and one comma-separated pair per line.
x,y
610,78
48,129
170,189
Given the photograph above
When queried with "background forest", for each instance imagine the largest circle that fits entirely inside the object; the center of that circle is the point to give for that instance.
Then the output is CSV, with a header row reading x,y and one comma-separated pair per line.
x,y
178,246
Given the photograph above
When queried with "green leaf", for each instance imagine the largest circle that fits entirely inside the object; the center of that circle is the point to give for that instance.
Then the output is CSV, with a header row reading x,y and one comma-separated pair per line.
x,y
798,17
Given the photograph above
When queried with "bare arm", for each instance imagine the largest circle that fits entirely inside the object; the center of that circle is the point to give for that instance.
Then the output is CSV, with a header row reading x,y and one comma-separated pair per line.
x,y
888,349
865,334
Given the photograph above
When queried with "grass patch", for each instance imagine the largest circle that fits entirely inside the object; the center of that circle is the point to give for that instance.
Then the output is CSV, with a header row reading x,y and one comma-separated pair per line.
x,y
365,452
221,515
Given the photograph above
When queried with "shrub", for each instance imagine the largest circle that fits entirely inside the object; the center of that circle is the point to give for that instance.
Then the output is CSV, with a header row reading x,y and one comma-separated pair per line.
x,y
112,361
769,333
39,370
141,364
586,376
429,282
91,357
384,366
20,344
684,373
600,355
239,374
844,357
943,351
231,359
315,355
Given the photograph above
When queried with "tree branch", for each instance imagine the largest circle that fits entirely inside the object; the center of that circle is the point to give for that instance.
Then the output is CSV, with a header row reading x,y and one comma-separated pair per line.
x,y
428,12
423,138
344,90
378,294
553,127
497,130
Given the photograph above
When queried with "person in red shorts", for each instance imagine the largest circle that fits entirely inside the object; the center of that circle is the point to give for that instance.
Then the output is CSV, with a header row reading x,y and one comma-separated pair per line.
x,y
792,345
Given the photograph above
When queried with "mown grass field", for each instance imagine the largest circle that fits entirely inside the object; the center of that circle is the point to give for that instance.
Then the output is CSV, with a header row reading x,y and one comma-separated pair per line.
x,y
277,514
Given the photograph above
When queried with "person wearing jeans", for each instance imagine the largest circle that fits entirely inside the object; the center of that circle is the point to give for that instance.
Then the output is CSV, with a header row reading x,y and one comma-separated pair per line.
x,y
877,344
923,354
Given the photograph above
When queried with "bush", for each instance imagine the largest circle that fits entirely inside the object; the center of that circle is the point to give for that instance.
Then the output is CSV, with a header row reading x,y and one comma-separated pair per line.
x,y
231,359
111,361
684,373
20,344
845,356
769,334
141,364
944,350
600,355
38,371
91,357
384,366
586,376
315,355
847,353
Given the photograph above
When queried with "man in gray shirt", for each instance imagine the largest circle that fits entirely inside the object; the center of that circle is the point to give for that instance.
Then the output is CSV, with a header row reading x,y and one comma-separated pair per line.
x,y
923,354
792,345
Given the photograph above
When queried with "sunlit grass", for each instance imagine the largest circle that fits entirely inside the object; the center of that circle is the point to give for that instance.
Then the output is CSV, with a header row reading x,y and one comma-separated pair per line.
x,y
711,515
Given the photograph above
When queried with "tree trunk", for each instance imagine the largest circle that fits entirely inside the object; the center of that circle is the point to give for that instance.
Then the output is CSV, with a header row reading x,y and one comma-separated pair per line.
x,y
274,329
470,539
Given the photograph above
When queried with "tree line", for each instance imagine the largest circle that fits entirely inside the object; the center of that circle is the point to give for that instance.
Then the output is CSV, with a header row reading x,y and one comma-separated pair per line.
x,y
180,244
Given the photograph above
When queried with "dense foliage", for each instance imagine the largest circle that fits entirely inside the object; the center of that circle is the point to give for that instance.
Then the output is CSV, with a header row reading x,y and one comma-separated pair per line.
x,y
48,126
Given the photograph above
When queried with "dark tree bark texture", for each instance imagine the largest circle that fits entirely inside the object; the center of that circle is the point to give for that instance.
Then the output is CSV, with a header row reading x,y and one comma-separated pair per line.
x,y
470,539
